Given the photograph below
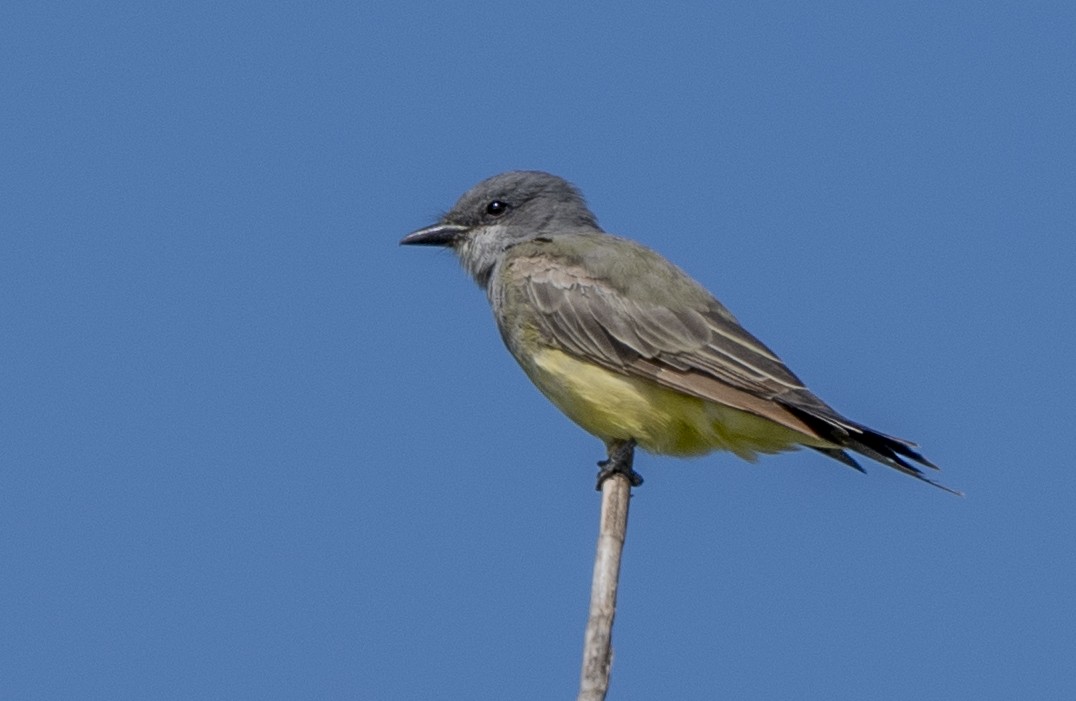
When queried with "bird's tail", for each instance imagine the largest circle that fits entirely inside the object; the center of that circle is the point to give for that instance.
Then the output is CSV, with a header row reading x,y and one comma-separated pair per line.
x,y
893,452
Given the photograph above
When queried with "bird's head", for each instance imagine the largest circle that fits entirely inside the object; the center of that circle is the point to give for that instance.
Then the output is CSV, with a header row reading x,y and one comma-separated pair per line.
x,y
502,211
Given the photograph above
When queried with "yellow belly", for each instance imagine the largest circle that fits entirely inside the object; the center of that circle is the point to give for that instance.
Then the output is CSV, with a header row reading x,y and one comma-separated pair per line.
x,y
617,407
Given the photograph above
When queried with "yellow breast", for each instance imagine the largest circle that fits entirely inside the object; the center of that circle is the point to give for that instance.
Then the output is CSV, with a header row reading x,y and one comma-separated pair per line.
x,y
614,406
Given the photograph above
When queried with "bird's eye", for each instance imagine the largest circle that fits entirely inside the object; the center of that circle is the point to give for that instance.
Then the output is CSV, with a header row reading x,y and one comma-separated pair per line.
x,y
496,208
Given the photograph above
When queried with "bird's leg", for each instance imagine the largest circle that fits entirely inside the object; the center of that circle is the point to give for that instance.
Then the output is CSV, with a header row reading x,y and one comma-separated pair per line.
x,y
621,455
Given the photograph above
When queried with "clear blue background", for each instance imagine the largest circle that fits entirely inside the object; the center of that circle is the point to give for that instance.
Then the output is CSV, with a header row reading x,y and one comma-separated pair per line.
x,y
251,448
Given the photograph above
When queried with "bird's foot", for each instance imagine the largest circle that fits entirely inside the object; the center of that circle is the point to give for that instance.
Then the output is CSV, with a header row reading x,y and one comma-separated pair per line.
x,y
621,457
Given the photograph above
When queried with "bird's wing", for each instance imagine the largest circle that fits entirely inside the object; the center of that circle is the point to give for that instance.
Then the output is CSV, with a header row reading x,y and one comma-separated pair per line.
x,y
657,323
692,348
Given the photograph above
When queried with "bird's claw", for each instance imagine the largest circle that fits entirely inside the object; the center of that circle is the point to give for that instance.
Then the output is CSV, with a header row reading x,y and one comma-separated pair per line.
x,y
621,457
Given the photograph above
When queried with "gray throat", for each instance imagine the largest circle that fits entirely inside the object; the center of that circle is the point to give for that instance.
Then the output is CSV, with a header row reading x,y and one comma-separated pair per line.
x,y
481,250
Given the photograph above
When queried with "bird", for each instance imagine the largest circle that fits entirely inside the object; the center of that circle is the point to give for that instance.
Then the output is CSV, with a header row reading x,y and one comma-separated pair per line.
x,y
628,345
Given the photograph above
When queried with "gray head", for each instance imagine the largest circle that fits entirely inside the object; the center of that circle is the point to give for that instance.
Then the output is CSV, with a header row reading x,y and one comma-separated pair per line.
x,y
502,211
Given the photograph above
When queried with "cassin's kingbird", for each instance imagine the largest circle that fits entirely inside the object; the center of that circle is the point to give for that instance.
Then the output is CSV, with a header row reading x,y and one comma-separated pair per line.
x,y
626,344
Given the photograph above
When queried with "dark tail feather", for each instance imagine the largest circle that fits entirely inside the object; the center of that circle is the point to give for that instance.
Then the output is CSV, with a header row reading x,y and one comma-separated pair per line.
x,y
840,456
888,450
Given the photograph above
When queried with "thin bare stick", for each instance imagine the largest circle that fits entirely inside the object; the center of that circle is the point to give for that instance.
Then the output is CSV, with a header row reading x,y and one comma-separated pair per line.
x,y
597,646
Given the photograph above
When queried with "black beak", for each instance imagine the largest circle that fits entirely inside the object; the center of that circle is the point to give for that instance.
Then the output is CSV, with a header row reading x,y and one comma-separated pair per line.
x,y
436,235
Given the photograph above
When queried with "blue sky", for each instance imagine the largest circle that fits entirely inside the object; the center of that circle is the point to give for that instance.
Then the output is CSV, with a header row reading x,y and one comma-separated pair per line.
x,y
252,448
